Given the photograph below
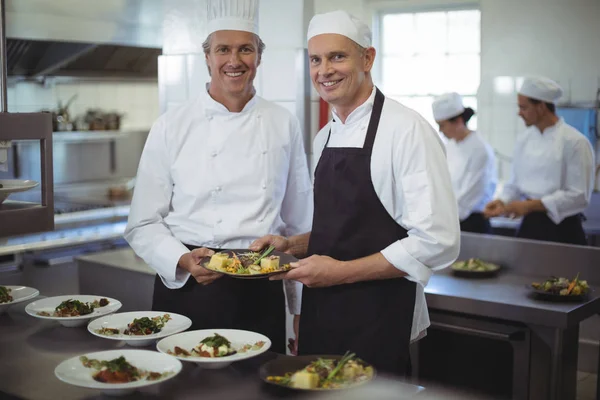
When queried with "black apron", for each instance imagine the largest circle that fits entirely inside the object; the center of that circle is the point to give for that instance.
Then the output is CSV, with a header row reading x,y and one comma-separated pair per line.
x,y
476,223
256,305
374,318
538,226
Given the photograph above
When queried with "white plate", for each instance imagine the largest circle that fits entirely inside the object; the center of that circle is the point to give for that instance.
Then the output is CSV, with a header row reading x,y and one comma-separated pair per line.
x,y
50,303
177,323
189,340
13,186
19,294
73,372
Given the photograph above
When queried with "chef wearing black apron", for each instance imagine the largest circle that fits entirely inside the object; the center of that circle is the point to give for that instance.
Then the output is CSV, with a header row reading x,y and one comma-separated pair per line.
x,y
376,235
553,171
216,173
333,319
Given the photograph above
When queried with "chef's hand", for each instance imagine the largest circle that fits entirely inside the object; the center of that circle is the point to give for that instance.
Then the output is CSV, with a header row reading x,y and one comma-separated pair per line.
x,y
293,343
191,263
494,209
315,271
517,209
280,243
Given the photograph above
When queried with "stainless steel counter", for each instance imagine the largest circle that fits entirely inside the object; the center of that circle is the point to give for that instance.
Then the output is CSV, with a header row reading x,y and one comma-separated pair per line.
x,y
507,296
31,348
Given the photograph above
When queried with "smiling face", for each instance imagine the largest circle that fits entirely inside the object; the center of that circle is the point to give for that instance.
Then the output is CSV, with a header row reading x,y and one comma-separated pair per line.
x,y
339,69
232,60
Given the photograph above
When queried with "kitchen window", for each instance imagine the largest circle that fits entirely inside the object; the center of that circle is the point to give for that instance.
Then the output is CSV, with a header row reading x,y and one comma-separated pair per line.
x,y
425,54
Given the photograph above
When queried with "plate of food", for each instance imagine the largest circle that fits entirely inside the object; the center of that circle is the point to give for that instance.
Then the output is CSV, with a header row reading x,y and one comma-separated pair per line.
x,y
474,268
10,295
118,372
72,311
214,348
8,186
561,289
317,372
139,328
246,264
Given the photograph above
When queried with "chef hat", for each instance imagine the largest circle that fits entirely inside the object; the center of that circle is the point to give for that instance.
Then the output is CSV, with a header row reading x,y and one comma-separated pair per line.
x,y
447,106
542,89
232,15
342,23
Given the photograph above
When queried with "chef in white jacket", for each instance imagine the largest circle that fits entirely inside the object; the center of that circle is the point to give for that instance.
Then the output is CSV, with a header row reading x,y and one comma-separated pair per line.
x,y
385,216
471,162
218,172
552,171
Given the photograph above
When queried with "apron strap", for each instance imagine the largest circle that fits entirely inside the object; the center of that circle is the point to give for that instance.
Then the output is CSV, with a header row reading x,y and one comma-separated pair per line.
x,y
374,121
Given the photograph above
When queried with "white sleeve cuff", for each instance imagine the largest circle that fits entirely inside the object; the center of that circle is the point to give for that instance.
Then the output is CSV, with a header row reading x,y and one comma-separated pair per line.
x,y
397,255
166,256
551,209
293,293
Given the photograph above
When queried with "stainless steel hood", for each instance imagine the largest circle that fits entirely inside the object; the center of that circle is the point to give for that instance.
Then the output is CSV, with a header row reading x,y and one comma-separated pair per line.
x,y
83,38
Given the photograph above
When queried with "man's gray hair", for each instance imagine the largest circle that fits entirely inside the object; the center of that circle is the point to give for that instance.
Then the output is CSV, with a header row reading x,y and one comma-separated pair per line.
x,y
206,44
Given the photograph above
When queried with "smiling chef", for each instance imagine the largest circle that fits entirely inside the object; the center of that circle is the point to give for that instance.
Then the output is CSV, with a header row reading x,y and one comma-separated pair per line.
x,y
385,216
218,172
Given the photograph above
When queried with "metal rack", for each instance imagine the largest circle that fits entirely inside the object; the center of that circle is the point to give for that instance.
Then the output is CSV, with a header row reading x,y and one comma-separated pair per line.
x,y
17,217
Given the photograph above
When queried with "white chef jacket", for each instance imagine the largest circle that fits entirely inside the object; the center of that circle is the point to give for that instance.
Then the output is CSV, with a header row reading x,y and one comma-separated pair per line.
x,y
472,166
411,179
214,178
556,167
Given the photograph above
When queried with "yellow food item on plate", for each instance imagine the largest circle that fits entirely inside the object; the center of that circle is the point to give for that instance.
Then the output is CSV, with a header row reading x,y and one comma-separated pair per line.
x,y
270,262
305,380
218,261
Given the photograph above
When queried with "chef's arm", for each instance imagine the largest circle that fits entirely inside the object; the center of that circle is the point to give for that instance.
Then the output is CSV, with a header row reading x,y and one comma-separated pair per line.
x,y
298,245
510,190
370,268
578,185
146,231
429,211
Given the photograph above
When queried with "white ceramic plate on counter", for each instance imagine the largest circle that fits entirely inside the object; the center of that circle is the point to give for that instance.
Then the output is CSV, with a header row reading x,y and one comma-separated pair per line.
x,y
19,294
238,339
73,372
9,186
49,304
177,323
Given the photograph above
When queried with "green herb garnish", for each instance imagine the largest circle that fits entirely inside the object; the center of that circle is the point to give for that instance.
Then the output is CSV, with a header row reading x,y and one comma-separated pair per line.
x,y
264,254
216,341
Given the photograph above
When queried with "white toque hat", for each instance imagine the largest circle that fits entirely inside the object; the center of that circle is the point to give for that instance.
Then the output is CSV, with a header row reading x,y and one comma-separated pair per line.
x,y
540,88
342,23
232,15
446,106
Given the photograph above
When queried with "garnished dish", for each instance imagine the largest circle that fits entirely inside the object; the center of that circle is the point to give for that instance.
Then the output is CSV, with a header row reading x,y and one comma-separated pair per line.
x,y
562,286
247,263
474,267
323,373
119,370
74,308
10,295
214,346
139,328
5,296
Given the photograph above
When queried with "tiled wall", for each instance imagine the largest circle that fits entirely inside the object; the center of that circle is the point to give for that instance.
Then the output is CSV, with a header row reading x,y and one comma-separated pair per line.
x,y
137,100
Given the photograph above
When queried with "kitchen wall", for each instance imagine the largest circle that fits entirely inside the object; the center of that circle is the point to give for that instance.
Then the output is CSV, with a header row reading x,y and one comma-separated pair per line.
x,y
556,38
137,100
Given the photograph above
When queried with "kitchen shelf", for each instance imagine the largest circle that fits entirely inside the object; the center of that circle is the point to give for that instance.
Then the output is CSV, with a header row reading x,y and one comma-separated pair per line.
x,y
92,136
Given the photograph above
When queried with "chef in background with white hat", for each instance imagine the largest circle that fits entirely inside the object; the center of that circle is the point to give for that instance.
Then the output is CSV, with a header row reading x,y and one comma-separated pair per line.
x,y
471,162
552,171
385,216
216,173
